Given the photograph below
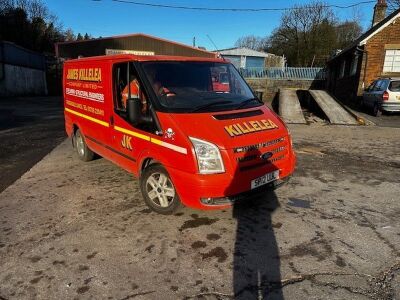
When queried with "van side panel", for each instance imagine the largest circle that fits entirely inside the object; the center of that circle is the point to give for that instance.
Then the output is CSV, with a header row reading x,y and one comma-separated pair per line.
x,y
87,100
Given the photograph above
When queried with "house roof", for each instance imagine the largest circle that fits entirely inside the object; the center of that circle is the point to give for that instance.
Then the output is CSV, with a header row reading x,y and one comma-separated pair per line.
x,y
242,51
362,40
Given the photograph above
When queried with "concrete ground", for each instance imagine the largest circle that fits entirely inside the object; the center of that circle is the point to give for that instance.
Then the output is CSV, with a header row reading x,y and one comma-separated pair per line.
x,y
30,127
74,230
386,120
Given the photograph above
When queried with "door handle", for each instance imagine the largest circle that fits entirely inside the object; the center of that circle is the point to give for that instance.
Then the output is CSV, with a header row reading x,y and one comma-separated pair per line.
x,y
111,120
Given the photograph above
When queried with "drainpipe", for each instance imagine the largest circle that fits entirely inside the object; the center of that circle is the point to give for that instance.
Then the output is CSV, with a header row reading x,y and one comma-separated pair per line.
x,y
366,63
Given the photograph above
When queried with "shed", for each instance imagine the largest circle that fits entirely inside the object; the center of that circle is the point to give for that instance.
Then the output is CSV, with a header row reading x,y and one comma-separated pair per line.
x,y
245,58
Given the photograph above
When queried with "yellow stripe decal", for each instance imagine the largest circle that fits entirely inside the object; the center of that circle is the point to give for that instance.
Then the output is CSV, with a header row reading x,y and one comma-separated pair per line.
x,y
153,140
87,117
157,142
130,132
133,133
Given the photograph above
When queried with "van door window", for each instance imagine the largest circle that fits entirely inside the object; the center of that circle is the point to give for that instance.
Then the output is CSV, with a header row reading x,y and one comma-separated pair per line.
x,y
127,85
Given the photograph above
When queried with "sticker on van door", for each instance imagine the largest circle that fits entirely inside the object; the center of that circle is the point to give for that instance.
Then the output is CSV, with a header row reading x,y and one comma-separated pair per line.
x,y
126,142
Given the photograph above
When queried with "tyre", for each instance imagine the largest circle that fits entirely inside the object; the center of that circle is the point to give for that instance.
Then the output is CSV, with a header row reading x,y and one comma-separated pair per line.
x,y
377,110
84,153
158,190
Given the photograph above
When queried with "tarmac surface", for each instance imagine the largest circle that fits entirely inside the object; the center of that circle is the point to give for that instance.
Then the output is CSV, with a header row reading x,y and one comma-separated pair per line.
x,y
74,230
30,127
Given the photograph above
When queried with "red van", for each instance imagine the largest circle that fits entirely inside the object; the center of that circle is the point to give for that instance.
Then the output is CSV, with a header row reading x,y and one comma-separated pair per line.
x,y
190,142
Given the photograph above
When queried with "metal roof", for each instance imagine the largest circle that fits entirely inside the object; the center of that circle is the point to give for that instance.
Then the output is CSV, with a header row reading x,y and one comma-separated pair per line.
x,y
242,52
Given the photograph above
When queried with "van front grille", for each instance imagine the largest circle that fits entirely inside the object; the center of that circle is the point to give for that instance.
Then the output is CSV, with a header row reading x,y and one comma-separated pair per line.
x,y
249,157
258,146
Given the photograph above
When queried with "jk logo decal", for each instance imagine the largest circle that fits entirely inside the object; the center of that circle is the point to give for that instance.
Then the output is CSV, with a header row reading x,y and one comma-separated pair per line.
x,y
126,142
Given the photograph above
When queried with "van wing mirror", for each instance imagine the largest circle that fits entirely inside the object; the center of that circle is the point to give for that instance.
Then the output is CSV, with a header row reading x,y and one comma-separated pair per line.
x,y
134,111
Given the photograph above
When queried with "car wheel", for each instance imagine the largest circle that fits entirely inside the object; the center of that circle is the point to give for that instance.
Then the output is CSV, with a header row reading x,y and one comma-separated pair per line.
x,y
158,191
84,153
377,110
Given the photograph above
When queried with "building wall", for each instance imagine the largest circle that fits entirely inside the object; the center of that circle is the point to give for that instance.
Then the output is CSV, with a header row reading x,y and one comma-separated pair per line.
x,y
235,60
346,88
21,81
376,46
23,72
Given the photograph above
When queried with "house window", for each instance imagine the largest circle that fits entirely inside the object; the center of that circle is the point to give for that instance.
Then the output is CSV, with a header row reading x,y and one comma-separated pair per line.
x,y
342,69
354,64
392,61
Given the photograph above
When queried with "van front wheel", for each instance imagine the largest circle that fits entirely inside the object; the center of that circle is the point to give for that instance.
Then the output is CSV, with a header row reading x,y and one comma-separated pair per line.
x,y
158,190
84,153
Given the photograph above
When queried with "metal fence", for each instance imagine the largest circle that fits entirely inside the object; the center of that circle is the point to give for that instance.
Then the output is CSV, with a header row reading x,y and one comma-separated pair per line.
x,y
285,73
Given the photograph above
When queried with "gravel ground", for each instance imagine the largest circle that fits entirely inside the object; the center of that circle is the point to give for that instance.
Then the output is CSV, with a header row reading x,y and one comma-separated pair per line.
x,y
70,230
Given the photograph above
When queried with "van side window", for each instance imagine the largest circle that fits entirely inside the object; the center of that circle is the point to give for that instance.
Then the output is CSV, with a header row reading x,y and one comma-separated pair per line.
x,y
127,85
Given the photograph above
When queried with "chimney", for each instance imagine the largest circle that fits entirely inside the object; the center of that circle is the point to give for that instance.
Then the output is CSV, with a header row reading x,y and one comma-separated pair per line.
x,y
379,12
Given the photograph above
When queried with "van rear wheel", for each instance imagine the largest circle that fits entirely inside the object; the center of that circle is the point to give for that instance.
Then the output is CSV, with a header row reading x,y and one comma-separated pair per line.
x,y
84,153
158,190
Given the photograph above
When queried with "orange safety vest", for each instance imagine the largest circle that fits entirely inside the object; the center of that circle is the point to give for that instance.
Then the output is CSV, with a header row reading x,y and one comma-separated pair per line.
x,y
135,91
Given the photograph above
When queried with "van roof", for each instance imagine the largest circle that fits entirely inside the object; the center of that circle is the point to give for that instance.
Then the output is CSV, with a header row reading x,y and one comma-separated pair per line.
x,y
122,57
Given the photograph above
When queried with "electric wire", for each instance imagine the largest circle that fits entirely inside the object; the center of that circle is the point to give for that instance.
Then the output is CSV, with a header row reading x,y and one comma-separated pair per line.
x,y
222,9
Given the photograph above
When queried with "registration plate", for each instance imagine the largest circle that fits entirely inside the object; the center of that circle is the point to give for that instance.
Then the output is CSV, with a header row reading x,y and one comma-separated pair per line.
x,y
267,178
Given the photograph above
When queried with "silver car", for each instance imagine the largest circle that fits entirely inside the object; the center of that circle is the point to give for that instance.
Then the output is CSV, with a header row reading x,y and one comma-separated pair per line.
x,y
383,95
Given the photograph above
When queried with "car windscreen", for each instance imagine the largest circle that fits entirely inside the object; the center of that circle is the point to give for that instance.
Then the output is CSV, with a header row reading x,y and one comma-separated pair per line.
x,y
184,86
394,86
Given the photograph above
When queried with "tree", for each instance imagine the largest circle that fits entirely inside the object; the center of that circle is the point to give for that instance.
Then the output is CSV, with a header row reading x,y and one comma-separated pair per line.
x,y
346,33
29,24
87,36
308,34
252,42
393,5
69,35
79,37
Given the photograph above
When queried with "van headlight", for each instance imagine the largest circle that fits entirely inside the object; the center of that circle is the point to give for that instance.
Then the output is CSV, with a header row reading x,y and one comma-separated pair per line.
x,y
208,157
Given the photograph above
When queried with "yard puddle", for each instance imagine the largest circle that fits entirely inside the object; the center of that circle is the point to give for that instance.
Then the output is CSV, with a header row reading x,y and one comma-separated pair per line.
x,y
295,202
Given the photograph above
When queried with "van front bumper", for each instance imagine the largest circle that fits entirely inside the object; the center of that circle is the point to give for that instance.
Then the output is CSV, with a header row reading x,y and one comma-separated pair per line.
x,y
219,191
252,194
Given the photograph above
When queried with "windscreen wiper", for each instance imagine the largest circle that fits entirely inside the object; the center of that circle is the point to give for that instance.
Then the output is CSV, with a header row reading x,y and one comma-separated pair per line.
x,y
203,107
245,102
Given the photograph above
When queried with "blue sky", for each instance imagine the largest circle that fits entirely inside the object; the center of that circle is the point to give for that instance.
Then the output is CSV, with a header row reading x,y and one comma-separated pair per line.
x,y
106,18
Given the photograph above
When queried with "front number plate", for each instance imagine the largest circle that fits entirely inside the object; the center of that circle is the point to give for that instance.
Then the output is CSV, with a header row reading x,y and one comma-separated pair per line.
x,y
267,178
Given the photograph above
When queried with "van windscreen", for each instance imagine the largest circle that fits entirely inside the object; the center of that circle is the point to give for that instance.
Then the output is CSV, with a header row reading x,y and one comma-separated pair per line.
x,y
184,86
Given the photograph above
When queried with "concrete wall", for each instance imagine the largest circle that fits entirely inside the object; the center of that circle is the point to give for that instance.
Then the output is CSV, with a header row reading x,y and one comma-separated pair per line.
x,y
270,87
20,81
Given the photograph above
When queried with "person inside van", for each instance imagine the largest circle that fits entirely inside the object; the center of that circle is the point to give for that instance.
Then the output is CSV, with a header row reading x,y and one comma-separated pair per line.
x,y
158,87
135,92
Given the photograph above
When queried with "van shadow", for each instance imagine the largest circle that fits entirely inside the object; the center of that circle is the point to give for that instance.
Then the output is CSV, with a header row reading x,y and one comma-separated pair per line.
x,y
256,261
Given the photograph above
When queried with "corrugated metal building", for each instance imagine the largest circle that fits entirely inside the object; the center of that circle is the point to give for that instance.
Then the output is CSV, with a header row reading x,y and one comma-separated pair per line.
x,y
245,58
22,71
140,44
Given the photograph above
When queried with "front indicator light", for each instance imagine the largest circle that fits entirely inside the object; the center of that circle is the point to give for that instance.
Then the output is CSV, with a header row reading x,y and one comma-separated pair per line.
x,y
208,156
